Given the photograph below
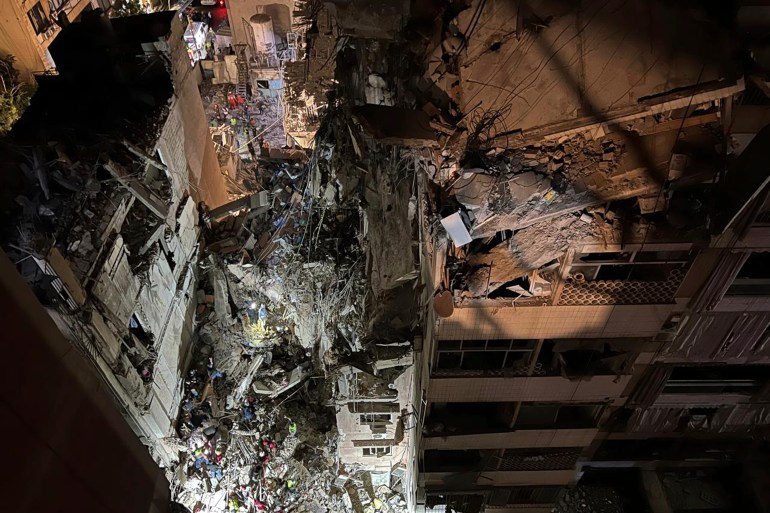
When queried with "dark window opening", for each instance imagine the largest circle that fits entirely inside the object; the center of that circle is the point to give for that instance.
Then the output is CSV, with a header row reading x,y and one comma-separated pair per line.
x,y
38,18
448,418
454,460
263,84
721,379
641,272
642,265
139,348
170,260
459,503
375,451
483,360
754,277
757,266
603,360
557,416
374,418
525,495
136,329
449,360
484,355
604,257
662,256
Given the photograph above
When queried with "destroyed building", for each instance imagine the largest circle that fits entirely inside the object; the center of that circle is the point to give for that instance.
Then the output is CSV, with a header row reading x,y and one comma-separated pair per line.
x,y
104,201
382,257
590,261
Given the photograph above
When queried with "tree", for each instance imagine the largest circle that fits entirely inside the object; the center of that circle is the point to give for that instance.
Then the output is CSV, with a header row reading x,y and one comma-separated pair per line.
x,y
14,94
127,8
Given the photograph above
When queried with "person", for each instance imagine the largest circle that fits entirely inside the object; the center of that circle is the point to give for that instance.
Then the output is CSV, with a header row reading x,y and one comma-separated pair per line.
x,y
262,314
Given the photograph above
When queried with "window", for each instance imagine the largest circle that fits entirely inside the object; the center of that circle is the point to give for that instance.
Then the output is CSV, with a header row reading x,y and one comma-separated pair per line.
x,y
525,495
57,5
374,418
640,265
557,416
754,277
469,417
721,379
38,18
463,503
584,357
552,458
483,355
105,4
376,451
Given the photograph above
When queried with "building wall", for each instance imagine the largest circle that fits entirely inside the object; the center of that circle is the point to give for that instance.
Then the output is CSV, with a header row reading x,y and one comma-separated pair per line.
x,y
555,322
199,173
355,434
494,321
18,37
545,388
514,439
507,478
70,446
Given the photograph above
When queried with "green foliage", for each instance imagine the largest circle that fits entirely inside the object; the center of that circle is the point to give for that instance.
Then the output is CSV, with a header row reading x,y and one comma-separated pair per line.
x,y
127,8
14,95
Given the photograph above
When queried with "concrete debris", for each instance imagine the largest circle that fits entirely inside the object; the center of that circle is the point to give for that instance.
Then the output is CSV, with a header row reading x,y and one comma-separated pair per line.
x,y
251,255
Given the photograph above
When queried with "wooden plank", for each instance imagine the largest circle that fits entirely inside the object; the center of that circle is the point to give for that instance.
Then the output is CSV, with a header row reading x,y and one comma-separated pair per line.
x,y
140,191
674,124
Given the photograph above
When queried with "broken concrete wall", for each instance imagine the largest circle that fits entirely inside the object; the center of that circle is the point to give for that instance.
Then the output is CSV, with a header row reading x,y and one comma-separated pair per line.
x,y
370,19
201,173
363,424
504,66
116,287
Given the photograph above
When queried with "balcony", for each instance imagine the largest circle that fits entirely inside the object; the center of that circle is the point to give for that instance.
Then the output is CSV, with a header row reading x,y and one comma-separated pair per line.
x,y
510,425
464,469
535,388
625,278
513,439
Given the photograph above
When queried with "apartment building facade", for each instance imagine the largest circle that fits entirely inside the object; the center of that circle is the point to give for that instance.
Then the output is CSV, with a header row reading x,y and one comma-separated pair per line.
x,y
584,349
118,276
29,27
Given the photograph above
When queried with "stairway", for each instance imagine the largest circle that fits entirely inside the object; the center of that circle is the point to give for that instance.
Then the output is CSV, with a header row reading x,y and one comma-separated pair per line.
x,y
242,63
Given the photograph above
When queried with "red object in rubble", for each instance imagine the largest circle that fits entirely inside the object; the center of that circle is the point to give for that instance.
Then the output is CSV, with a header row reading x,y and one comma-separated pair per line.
x,y
259,505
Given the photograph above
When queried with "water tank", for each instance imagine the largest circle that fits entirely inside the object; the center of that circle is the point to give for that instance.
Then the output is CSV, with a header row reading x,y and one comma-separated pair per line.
x,y
264,39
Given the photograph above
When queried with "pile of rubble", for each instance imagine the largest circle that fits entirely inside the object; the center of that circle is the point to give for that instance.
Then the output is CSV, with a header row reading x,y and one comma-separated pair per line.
x,y
249,119
282,298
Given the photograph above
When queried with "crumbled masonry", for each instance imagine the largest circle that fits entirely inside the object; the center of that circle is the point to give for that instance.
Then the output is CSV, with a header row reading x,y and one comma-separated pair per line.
x,y
314,263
